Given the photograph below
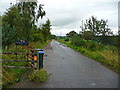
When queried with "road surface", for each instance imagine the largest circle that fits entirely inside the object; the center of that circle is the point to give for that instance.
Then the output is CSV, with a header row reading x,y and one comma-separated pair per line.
x,y
70,69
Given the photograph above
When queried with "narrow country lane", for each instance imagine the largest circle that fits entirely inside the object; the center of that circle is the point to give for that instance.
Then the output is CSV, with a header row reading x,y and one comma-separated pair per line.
x,y
70,69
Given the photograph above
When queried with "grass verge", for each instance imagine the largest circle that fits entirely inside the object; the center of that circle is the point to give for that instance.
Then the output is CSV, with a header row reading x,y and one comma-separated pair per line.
x,y
39,76
107,56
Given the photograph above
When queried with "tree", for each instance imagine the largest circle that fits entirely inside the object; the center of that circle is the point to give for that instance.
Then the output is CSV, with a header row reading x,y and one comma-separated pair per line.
x,y
13,18
8,34
91,25
29,9
87,35
29,16
46,30
104,31
37,34
71,34
52,36
21,19
98,28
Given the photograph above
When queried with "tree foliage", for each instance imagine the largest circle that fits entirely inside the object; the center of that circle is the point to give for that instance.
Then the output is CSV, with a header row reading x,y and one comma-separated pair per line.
x,y
13,18
97,28
46,30
8,34
87,35
71,34
19,22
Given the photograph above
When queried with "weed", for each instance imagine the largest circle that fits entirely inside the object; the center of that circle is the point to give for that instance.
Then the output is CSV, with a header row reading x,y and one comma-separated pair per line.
x,y
39,76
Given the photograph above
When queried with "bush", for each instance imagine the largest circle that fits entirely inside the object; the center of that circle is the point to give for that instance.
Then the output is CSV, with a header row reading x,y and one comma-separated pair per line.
x,y
92,46
78,41
37,37
101,47
66,39
39,76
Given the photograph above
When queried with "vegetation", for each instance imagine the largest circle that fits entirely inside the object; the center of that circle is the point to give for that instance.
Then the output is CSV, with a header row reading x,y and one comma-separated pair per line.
x,y
94,27
71,34
18,23
39,76
96,41
16,75
106,55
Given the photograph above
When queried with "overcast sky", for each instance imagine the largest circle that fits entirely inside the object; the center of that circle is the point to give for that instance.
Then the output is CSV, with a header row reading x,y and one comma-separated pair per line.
x,y
67,15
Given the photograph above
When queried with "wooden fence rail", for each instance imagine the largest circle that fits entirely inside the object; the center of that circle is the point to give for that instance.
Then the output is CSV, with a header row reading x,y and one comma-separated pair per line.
x,y
18,61
19,53
19,67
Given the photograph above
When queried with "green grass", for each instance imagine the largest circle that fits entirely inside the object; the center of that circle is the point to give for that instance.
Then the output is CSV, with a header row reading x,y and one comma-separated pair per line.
x,y
39,76
38,44
106,55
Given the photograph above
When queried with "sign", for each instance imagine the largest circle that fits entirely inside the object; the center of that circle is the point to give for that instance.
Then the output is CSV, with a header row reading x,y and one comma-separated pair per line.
x,y
35,58
21,42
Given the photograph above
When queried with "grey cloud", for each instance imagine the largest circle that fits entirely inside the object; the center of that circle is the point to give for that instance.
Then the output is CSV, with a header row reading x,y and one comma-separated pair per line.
x,y
64,20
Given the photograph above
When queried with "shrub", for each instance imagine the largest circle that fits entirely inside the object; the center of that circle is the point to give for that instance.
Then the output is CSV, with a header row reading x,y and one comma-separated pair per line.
x,y
39,76
78,41
82,50
101,47
66,39
37,37
92,46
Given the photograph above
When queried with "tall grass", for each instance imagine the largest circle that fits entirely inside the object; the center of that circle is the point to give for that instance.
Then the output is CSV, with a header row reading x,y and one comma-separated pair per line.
x,y
39,76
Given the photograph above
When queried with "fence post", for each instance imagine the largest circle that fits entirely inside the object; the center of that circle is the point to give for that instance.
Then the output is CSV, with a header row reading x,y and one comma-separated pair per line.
x,y
41,53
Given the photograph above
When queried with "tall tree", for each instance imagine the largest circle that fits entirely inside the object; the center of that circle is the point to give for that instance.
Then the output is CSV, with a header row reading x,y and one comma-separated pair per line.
x,y
98,27
29,8
92,24
13,18
46,30
29,16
